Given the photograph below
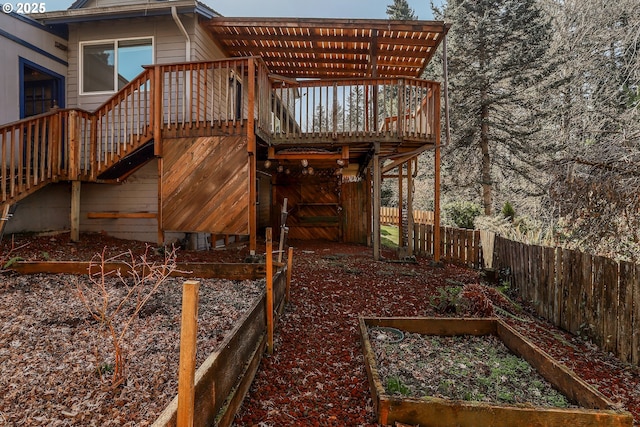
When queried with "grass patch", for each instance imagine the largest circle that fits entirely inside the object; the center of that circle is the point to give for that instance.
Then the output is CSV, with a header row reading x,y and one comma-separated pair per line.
x,y
389,235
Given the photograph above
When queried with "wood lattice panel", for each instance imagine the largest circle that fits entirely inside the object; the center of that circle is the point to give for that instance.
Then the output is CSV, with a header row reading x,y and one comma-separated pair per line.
x,y
205,185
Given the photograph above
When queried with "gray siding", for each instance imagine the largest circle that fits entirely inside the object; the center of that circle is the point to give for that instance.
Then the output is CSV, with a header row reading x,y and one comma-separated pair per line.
x,y
169,46
139,193
11,51
46,210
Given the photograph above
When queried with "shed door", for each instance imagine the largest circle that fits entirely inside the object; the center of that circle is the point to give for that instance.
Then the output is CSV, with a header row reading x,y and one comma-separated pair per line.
x,y
356,215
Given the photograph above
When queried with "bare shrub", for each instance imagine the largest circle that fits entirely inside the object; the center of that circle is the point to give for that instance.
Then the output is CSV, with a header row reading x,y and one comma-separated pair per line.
x,y
114,310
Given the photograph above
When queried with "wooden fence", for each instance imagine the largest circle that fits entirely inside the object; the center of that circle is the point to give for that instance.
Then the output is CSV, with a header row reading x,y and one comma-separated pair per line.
x,y
457,245
390,216
584,294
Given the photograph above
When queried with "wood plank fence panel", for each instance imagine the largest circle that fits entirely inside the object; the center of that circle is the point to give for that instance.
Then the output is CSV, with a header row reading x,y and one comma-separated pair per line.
x,y
597,332
625,313
574,314
588,318
610,301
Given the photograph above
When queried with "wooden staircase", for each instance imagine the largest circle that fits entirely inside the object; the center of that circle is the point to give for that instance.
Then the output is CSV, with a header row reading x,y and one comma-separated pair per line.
x,y
73,144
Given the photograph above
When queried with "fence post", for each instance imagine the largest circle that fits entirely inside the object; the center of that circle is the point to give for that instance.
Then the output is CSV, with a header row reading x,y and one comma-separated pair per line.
x,y
269,265
289,267
187,370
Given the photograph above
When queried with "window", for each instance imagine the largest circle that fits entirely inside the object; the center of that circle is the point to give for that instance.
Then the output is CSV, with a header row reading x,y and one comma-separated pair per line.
x,y
107,66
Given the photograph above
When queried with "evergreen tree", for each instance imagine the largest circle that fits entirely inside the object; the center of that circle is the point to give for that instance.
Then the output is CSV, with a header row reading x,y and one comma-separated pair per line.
x,y
496,58
400,9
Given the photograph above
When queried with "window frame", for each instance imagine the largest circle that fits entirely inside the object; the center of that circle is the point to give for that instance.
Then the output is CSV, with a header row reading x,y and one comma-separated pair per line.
x,y
114,42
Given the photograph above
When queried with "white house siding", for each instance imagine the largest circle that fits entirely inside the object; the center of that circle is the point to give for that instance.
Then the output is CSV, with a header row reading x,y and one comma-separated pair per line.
x,y
16,37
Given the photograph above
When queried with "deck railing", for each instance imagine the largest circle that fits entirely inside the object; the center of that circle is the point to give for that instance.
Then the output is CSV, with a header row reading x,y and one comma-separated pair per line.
x,y
32,152
221,97
118,127
213,94
400,108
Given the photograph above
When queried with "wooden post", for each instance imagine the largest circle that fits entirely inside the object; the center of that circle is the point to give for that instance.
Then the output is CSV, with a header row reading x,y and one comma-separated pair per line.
x,y
157,113
400,206
410,222
376,201
187,370
160,201
75,211
283,229
289,267
251,149
436,181
269,262
74,146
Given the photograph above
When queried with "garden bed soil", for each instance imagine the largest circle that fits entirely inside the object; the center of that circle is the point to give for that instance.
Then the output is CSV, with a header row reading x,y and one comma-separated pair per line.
x,y
316,375
473,372
57,360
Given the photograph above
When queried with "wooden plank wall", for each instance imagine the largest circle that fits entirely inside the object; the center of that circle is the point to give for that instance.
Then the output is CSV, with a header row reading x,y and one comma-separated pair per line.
x,y
584,294
205,185
313,205
457,245
356,214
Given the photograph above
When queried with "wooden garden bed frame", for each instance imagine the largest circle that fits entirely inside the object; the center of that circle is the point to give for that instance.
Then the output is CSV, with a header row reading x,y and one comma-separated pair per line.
x,y
224,378
437,412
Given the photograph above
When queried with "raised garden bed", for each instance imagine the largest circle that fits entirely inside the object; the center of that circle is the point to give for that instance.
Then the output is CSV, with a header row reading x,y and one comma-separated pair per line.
x,y
49,348
588,406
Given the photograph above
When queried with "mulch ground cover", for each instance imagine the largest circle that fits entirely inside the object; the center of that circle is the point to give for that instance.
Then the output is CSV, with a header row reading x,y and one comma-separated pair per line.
x,y
316,376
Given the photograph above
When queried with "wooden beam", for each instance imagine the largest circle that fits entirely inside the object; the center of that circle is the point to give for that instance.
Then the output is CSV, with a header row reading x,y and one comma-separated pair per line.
x,y
75,211
98,215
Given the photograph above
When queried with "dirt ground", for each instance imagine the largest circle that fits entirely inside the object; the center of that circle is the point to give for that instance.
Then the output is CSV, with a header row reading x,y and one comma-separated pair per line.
x,y
316,376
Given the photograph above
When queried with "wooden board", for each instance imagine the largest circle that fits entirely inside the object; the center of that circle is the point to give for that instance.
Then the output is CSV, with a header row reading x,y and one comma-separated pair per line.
x,y
202,270
205,185
436,412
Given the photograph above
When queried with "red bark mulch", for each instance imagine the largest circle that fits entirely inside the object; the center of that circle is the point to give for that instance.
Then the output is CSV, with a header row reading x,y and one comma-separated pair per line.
x,y
316,376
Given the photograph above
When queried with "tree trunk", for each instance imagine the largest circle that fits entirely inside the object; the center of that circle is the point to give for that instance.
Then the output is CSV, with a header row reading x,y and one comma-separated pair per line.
x,y
486,160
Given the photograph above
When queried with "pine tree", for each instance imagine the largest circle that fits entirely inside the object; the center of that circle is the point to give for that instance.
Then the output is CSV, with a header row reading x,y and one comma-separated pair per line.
x,y
496,58
400,9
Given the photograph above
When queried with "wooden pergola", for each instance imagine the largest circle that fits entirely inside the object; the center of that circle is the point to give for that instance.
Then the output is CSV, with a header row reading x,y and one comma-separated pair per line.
x,y
337,48
303,49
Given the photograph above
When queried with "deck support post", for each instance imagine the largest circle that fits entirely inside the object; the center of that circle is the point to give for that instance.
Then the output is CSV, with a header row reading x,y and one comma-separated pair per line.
x,y
376,201
436,184
410,207
251,149
400,205
160,199
75,210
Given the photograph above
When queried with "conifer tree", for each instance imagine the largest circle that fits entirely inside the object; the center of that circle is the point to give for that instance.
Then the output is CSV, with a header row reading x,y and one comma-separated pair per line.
x,y
496,58
400,9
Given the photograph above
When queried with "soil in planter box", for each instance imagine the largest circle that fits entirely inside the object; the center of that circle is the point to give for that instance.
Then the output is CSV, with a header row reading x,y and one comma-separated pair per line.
x,y
469,368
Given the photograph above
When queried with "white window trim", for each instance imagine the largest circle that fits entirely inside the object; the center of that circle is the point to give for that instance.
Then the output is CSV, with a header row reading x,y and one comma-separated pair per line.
x,y
115,65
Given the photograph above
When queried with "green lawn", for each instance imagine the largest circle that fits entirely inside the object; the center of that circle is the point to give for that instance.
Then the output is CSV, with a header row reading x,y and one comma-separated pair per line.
x,y
389,236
